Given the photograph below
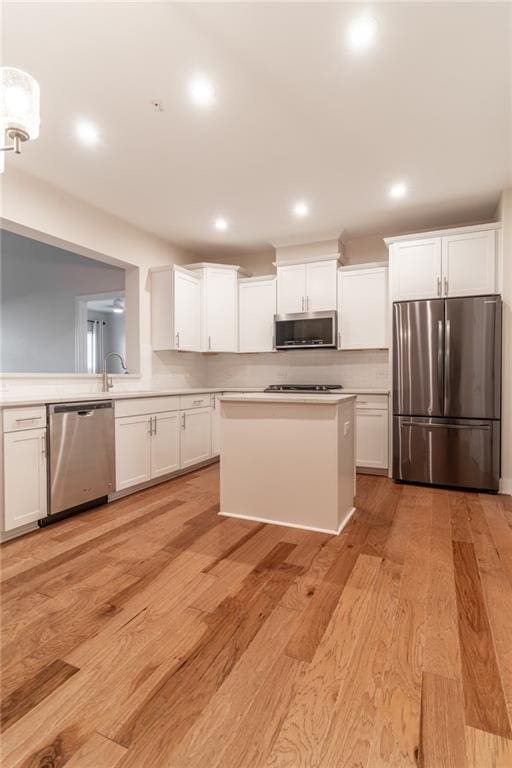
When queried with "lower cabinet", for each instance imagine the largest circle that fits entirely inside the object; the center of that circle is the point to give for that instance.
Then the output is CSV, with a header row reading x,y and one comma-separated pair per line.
x,y
372,436
147,446
25,494
196,436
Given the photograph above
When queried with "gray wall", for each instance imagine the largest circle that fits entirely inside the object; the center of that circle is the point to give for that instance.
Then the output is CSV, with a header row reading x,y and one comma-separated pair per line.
x,y
39,284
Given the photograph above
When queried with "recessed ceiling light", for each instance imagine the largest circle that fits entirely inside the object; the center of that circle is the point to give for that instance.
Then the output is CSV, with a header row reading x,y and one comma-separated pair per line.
x,y
220,224
300,209
201,91
361,33
397,190
87,133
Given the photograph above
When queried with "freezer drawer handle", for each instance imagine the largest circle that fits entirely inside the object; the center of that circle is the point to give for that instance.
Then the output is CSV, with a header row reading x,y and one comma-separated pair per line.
x,y
444,426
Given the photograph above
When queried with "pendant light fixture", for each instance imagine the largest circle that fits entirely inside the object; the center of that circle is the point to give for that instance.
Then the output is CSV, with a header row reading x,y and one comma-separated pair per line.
x,y
19,108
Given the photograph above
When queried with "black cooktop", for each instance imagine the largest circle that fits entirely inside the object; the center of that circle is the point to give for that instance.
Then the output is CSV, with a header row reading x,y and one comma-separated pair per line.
x,y
303,388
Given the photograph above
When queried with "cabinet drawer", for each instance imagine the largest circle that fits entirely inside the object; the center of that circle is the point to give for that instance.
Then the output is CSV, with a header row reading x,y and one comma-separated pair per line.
x,y
372,401
195,401
142,405
16,419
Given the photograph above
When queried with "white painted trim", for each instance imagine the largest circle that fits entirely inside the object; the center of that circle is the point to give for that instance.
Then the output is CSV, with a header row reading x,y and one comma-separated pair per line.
x,y
8,535
212,264
364,266
293,525
307,260
443,232
257,279
506,485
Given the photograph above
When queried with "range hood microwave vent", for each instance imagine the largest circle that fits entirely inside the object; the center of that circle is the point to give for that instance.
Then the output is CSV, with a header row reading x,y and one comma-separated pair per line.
x,y
305,330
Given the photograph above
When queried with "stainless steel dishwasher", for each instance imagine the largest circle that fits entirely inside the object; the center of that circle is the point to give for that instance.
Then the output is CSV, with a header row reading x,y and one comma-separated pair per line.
x,y
81,447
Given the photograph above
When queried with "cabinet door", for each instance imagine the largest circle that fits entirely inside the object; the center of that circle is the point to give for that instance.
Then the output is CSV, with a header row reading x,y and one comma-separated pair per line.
x,y
187,311
215,412
133,451
363,309
196,443
291,289
24,477
416,269
469,264
372,438
321,278
165,443
220,303
256,310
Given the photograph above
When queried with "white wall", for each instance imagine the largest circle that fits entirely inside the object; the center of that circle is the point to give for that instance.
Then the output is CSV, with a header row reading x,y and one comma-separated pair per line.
x,y
37,209
504,214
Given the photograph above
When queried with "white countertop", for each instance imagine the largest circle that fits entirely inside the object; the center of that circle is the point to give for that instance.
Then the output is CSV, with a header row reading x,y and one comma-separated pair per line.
x,y
113,395
285,397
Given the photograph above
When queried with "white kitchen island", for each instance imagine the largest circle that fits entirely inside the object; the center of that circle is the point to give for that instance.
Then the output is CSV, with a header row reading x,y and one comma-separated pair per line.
x,y
288,459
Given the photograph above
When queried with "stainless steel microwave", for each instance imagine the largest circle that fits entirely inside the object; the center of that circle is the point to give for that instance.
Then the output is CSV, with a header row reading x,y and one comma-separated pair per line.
x,y
305,330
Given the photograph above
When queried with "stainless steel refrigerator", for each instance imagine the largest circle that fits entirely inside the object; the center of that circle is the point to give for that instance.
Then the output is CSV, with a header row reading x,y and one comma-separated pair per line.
x,y
447,391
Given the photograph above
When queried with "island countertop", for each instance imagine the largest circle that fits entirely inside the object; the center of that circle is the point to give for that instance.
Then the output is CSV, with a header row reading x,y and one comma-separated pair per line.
x,y
285,397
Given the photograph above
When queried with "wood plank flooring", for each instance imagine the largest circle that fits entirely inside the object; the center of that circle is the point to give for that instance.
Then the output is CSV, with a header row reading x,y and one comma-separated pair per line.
x,y
152,633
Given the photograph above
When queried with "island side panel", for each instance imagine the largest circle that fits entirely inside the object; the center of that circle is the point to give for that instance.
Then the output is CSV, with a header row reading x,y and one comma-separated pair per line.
x,y
279,463
346,460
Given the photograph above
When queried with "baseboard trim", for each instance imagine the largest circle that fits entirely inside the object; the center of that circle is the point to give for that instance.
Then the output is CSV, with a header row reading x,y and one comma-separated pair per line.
x,y
162,479
8,535
506,486
313,528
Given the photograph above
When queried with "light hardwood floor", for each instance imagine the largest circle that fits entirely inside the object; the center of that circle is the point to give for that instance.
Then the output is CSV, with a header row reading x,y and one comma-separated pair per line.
x,y
154,633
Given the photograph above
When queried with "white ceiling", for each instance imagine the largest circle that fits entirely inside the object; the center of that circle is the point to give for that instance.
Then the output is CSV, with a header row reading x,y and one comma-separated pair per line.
x,y
297,115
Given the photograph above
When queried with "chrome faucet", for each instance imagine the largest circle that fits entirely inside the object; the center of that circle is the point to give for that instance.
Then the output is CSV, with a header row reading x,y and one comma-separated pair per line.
x,y
107,380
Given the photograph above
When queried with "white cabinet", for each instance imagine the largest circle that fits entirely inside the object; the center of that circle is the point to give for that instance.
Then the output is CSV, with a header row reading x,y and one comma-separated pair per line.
x,y
165,444
25,497
416,269
219,306
133,451
147,446
309,287
372,432
321,286
175,309
195,436
256,310
469,263
291,289
363,308
460,262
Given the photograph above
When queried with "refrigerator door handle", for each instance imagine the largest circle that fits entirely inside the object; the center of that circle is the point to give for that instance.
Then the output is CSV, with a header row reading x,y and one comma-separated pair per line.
x,y
444,426
440,363
447,392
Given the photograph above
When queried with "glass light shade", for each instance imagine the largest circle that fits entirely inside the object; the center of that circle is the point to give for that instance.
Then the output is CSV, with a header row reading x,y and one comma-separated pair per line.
x,y
19,102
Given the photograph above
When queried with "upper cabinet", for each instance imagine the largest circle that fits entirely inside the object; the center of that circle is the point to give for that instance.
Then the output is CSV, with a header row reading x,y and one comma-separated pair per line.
x,y
256,310
307,287
363,307
460,262
219,316
175,309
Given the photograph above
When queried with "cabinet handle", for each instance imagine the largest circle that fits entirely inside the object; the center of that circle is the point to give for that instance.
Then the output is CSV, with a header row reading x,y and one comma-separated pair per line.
x,y
43,445
155,426
339,338
150,430
438,286
214,399
307,303
28,418
183,421
446,286
178,340
303,303
209,342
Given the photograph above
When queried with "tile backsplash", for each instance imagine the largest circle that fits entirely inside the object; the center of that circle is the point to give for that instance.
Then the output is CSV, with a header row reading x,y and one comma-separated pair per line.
x,y
357,369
